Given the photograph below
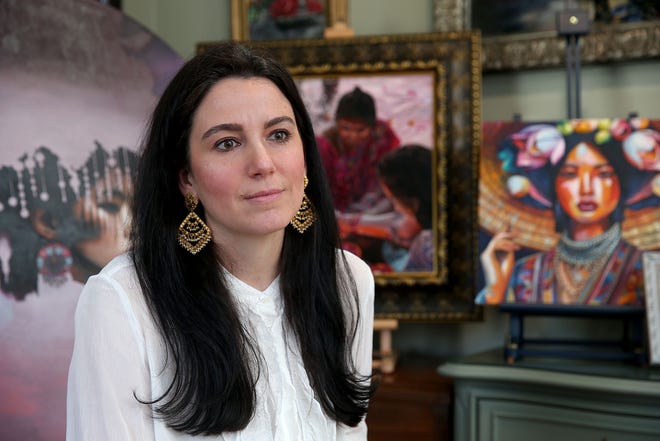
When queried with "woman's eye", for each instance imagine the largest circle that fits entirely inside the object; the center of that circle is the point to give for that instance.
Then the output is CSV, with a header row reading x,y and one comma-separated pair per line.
x,y
606,173
109,207
567,173
226,144
280,136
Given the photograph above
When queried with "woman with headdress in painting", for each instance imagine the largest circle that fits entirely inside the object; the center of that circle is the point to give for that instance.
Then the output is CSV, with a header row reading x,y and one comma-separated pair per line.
x,y
59,224
587,172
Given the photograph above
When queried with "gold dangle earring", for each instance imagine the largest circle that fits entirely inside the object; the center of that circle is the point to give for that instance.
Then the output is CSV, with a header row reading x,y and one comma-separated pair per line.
x,y
193,233
305,215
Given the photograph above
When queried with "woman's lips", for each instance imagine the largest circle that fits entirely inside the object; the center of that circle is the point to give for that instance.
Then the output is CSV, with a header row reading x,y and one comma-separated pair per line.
x,y
587,206
264,196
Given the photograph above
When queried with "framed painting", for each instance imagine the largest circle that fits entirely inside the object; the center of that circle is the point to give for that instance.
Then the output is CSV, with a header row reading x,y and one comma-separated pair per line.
x,y
397,120
279,19
652,288
530,40
373,130
566,210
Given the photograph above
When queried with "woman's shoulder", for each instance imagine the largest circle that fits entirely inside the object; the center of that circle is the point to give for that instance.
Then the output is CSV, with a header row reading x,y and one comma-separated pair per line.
x,y
120,271
118,263
116,283
359,269
354,261
111,302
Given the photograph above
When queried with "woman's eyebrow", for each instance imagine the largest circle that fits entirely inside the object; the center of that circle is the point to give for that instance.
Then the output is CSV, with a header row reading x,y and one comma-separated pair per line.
x,y
577,164
232,127
278,120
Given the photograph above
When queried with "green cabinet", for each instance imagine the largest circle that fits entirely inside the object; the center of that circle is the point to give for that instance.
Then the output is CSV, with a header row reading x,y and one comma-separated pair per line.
x,y
553,401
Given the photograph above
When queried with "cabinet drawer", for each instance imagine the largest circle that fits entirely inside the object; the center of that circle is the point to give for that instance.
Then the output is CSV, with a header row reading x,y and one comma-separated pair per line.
x,y
500,420
553,400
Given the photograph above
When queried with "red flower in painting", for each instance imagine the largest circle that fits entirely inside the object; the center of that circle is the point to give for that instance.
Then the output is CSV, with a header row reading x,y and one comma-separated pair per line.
x,y
289,8
314,6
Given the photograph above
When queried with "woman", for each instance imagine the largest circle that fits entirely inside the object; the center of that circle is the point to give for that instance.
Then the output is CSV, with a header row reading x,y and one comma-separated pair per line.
x,y
245,321
351,150
591,263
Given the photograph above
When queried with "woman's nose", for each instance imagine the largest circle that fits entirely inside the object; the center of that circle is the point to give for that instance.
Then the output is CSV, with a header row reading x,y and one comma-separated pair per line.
x,y
261,161
586,186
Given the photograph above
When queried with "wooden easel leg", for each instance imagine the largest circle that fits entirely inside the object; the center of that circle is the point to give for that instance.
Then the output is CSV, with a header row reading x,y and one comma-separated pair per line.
x,y
385,358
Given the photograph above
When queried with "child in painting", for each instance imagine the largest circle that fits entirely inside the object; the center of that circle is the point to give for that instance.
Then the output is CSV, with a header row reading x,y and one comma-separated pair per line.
x,y
405,177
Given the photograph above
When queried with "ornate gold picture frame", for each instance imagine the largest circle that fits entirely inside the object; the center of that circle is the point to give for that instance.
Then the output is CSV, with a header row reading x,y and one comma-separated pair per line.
x,y
605,43
449,64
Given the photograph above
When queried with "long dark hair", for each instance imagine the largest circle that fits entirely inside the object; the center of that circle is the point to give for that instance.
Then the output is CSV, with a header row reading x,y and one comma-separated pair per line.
x,y
210,352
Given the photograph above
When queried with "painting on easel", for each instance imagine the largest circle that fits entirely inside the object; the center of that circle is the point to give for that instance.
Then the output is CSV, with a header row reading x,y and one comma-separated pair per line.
x,y
566,209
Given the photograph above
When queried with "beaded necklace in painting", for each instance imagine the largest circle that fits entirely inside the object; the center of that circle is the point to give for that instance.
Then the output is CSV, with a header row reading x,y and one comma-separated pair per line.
x,y
579,261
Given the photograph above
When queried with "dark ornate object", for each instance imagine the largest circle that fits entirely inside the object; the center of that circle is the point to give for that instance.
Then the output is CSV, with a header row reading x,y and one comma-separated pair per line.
x,y
604,44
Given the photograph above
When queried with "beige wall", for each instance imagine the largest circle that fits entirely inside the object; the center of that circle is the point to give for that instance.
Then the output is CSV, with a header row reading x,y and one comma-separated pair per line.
x,y
610,90
182,24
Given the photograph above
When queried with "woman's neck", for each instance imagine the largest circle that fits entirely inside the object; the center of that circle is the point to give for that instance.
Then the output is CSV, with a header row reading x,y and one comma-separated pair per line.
x,y
253,260
587,231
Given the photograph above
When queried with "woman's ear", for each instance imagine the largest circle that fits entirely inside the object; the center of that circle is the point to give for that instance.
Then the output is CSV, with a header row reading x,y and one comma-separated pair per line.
x,y
185,182
42,223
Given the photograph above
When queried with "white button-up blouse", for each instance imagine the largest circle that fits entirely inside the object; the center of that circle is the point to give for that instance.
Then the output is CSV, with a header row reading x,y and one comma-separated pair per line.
x,y
119,352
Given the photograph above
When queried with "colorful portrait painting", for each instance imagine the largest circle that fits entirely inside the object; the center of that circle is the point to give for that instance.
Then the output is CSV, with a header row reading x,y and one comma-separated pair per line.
x,y
566,210
375,134
78,80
